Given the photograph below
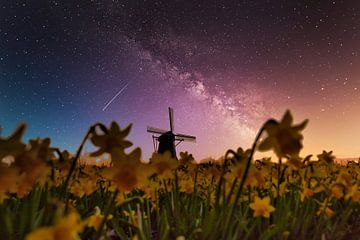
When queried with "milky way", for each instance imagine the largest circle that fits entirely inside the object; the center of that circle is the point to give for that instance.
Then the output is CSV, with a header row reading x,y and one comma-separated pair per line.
x,y
224,66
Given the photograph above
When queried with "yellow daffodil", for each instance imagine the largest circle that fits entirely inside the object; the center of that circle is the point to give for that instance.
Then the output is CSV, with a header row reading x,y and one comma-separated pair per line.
x,y
150,190
262,207
120,198
326,157
344,177
112,142
306,193
325,208
353,193
282,188
134,218
294,163
337,191
186,185
33,165
129,174
83,187
66,228
95,220
283,138
255,177
12,145
163,164
185,158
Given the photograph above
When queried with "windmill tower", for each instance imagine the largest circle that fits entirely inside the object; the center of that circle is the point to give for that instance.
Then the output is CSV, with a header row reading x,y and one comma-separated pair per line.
x,y
168,140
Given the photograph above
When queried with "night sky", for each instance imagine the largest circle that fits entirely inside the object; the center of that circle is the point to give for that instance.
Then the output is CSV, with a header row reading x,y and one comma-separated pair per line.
x,y
224,66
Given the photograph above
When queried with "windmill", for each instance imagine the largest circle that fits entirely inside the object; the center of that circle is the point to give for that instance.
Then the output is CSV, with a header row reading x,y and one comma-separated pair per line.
x,y
168,140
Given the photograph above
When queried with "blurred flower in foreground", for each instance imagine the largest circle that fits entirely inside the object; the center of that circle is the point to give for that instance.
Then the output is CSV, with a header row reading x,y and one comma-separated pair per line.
x,y
262,207
12,145
66,228
112,142
283,138
163,164
129,174
8,180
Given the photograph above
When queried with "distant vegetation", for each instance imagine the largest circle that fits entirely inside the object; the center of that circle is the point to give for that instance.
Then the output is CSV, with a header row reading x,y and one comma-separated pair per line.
x,y
46,193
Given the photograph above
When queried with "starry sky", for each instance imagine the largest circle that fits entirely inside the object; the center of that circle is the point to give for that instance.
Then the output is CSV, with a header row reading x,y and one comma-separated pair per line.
x,y
224,66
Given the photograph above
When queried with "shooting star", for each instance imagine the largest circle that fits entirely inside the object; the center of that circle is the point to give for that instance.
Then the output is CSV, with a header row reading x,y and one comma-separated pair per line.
x,y
116,95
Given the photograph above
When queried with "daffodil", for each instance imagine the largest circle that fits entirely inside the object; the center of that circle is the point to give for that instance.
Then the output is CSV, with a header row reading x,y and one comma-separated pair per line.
x,y
33,165
306,193
243,154
134,217
96,219
283,137
186,185
150,190
326,157
130,173
282,188
337,191
83,187
12,146
67,228
112,141
325,209
63,164
163,164
353,193
185,158
344,177
262,207
294,163
255,177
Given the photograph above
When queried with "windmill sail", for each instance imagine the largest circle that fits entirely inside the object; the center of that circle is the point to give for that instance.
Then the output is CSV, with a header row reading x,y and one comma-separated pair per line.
x,y
171,118
184,137
156,130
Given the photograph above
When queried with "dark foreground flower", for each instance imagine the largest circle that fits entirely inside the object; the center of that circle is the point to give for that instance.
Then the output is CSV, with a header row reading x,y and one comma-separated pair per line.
x,y
283,137
112,142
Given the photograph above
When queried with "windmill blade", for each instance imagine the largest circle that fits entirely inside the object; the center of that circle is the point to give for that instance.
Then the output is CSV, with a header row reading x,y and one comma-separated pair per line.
x,y
184,137
171,118
155,130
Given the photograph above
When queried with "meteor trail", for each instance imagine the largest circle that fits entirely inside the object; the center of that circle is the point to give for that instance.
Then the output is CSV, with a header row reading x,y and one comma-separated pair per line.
x,y
121,90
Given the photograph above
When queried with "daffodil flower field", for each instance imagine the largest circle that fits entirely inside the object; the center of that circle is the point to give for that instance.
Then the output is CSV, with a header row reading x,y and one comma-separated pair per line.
x,y
46,193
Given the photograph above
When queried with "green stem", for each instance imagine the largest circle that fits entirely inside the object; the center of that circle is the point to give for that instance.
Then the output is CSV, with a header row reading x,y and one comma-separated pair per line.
x,y
247,167
220,183
107,213
231,191
243,177
75,160
279,177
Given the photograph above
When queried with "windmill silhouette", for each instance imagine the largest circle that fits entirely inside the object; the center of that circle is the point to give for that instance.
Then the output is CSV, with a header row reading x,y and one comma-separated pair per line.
x,y
168,140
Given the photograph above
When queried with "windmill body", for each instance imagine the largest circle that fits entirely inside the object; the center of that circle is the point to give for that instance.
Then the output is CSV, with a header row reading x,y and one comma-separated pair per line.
x,y
167,143
168,140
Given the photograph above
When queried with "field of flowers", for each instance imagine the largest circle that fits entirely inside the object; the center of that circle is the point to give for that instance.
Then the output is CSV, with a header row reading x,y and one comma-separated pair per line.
x,y
46,193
